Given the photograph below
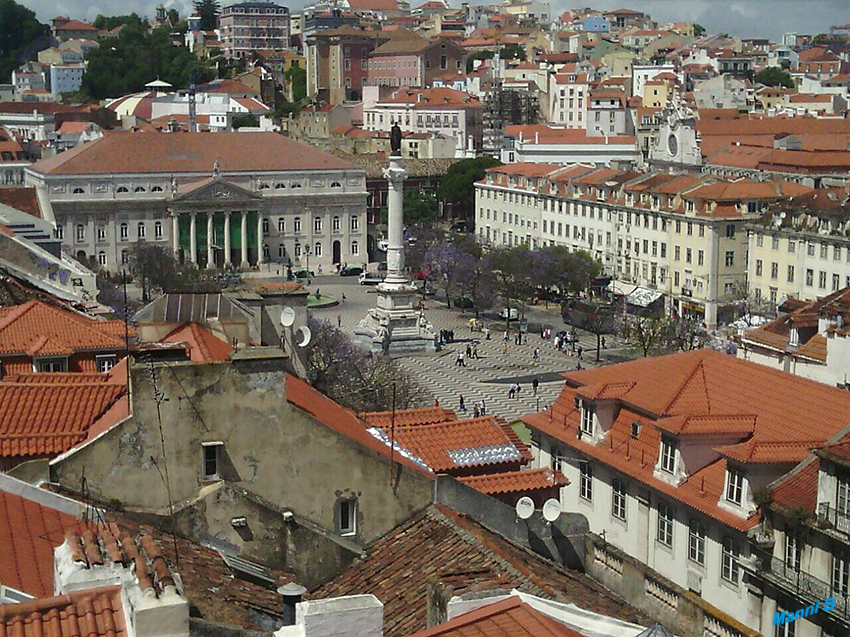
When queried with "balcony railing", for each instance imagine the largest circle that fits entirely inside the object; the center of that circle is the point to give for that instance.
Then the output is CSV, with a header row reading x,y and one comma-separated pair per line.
x,y
800,583
838,520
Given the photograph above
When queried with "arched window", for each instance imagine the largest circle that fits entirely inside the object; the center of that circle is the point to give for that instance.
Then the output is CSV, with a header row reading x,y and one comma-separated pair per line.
x,y
141,229
265,226
101,259
78,191
139,189
124,231
157,230
355,248
125,256
295,185
279,186
281,225
336,184
318,249
317,224
156,189
297,225
297,250
264,186
266,251
355,222
81,232
336,224
122,189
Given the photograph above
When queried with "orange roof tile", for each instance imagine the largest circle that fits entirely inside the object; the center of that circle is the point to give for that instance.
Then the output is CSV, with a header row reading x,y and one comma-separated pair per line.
x,y
93,612
38,329
39,419
424,416
29,531
516,481
509,617
203,345
799,488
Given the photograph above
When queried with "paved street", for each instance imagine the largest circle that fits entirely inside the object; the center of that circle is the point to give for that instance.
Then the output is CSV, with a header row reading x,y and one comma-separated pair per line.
x,y
487,377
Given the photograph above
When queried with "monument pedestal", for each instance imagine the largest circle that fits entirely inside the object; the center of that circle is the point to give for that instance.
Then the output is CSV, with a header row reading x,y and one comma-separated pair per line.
x,y
394,326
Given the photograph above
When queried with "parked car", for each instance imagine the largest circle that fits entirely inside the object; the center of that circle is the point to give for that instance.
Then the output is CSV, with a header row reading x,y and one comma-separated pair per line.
x,y
351,270
511,315
304,273
370,278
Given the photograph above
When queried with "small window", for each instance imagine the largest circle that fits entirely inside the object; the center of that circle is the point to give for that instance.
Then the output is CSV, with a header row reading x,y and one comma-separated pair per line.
x,y
212,460
81,232
52,365
668,456
122,189
279,186
696,542
265,227
618,499
157,230
729,564
665,524
101,259
347,523
635,429
106,362
156,189
355,248
734,486
355,222
586,481
587,419
336,184
124,231
141,230
139,189
281,226
78,191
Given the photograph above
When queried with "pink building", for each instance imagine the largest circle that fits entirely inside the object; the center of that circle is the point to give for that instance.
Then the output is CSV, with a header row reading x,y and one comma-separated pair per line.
x,y
413,61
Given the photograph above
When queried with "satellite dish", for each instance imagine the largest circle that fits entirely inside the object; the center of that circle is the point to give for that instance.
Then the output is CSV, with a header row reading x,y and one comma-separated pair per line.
x,y
287,317
524,507
551,510
304,335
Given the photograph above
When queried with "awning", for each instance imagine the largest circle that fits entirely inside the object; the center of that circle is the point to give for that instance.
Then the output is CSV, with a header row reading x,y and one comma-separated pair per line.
x,y
644,297
620,288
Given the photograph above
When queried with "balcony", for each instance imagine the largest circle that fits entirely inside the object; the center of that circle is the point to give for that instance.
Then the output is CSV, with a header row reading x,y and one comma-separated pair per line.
x,y
835,519
807,588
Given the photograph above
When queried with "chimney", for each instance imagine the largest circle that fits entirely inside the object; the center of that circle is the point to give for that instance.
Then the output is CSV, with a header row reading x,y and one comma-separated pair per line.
x,y
291,594
353,616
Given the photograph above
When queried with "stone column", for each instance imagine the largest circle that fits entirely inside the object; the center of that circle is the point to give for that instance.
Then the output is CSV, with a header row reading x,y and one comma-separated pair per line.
x,y
244,238
193,238
259,238
210,250
175,233
395,175
227,260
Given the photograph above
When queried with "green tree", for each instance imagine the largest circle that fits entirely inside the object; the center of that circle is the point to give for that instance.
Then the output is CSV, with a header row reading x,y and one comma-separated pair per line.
x,y
173,17
138,56
774,76
296,77
20,36
512,52
699,30
513,273
646,333
419,208
458,184
478,55
208,10
107,23
245,119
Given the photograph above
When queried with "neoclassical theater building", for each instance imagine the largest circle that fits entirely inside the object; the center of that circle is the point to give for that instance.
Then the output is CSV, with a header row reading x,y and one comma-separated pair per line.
x,y
216,199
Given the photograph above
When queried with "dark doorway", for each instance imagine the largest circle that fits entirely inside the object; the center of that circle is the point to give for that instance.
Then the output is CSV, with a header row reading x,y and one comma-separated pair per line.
x,y
337,250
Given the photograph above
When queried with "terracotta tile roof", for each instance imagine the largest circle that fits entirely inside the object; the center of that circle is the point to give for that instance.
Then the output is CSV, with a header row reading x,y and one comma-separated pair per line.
x,y
75,25
424,416
29,531
510,617
93,612
799,488
702,384
461,445
38,329
815,348
56,378
39,419
23,199
516,481
442,546
128,152
203,345
311,400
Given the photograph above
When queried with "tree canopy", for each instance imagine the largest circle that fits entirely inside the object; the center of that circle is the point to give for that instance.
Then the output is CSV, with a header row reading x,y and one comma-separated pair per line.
x,y
208,10
245,120
699,30
296,77
774,76
137,56
109,22
458,184
20,33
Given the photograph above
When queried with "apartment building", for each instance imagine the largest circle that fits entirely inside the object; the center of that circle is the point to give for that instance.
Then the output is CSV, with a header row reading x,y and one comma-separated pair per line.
x,y
682,235
251,26
338,62
569,98
606,114
669,458
800,248
413,61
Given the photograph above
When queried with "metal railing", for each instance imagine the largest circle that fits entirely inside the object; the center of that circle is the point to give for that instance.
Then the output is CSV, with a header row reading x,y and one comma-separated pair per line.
x,y
800,583
838,520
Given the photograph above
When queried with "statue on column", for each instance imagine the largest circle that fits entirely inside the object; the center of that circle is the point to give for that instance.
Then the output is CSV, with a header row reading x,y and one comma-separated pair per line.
x,y
395,139
216,173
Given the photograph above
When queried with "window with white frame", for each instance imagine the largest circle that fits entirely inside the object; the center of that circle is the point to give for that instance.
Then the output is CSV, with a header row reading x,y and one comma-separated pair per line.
x,y
734,485
51,365
105,362
211,460
317,249
696,542
281,225
586,481
729,566
793,551
157,230
347,517
335,224
266,229
668,455
785,630
587,418
665,524
101,259
840,575
141,230
842,499
355,248
355,222
124,231
101,233
618,499
555,459
317,224
296,223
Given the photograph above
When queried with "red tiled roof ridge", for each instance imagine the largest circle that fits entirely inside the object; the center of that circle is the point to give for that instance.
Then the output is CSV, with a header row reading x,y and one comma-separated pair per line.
x,y
516,481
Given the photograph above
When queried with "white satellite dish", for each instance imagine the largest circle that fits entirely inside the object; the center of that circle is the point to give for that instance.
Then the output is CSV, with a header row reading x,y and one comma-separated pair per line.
x,y
551,510
287,317
524,507
303,336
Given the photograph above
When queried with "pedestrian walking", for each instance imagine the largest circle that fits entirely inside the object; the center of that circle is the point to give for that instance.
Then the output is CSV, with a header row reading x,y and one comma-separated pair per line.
x,y
468,350
536,354
338,320
535,384
460,362
603,343
461,404
483,408
580,350
505,337
505,347
557,342
475,351
578,366
512,390
487,333
436,402
518,389
343,297
476,410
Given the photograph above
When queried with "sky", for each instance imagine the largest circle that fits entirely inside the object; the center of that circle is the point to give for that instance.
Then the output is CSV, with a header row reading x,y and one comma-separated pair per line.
x,y
744,18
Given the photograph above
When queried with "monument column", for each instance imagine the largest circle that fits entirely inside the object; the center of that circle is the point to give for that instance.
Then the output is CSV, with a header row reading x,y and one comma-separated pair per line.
x,y
210,250
259,238
244,238
227,260
175,233
193,238
395,175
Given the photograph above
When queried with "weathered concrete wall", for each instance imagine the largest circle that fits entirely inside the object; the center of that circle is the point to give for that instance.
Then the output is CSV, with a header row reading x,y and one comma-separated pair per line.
x,y
270,448
561,541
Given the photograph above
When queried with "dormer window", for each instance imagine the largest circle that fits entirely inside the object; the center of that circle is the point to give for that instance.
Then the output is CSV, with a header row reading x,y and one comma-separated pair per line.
x,y
734,486
668,456
635,430
586,419
842,500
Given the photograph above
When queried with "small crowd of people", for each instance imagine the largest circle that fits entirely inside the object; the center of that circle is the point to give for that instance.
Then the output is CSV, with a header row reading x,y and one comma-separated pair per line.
x,y
479,408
